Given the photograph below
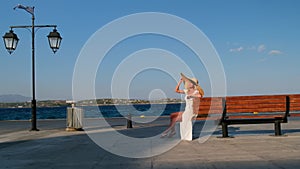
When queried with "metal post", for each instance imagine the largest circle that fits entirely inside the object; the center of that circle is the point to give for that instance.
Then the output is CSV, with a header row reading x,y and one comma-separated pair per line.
x,y
129,121
33,102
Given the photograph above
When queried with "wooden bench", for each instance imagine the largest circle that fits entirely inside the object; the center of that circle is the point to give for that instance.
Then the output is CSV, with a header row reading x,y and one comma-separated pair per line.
x,y
294,105
250,110
255,110
211,108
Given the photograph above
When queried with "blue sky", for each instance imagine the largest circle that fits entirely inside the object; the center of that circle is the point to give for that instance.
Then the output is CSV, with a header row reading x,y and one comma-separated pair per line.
x,y
257,41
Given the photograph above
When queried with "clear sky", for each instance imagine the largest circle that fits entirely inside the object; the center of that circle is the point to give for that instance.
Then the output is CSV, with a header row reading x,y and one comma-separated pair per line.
x,y
258,42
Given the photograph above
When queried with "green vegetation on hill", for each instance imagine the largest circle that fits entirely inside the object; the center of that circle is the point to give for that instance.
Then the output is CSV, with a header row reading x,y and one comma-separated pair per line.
x,y
59,103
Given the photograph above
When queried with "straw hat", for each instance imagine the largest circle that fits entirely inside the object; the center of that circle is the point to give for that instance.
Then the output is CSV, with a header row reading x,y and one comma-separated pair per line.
x,y
194,81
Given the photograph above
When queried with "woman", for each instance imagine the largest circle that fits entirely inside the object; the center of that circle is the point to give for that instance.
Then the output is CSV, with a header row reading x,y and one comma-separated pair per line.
x,y
193,92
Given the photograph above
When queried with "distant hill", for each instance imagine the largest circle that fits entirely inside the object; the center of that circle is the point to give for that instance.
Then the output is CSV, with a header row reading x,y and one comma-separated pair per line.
x,y
13,98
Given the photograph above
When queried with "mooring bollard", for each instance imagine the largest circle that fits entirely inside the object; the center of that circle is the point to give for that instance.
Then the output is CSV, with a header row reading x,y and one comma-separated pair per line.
x,y
129,121
74,117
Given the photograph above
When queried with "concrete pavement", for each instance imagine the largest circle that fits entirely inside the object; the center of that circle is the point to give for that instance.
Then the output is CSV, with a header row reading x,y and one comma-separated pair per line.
x,y
53,147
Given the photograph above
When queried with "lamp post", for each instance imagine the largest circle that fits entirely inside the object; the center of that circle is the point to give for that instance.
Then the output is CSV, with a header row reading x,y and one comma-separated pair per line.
x,y
11,42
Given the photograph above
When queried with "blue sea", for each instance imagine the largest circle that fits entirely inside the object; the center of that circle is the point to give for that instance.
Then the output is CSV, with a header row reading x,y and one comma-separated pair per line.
x,y
92,112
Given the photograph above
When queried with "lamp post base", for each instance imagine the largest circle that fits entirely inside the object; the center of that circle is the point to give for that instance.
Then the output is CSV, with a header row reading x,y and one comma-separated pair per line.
x,y
33,118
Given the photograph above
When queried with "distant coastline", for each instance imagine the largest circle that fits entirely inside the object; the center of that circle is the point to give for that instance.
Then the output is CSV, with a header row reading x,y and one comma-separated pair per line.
x,y
91,102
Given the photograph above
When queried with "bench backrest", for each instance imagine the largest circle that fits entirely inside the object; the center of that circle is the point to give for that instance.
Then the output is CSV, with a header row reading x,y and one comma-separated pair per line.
x,y
257,106
294,104
211,107
249,106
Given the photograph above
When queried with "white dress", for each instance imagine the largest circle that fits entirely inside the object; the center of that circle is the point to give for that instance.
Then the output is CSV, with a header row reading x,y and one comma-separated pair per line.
x,y
186,125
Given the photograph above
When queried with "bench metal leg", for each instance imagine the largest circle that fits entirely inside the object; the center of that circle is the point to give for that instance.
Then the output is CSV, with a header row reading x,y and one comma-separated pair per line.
x,y
277,126
225,129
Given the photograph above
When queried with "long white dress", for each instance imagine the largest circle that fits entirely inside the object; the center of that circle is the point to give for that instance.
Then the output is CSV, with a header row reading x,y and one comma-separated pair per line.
x,y
186,125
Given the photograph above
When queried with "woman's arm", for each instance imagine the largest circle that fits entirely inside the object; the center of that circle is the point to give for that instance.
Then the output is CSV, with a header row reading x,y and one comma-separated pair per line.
x,y
177,90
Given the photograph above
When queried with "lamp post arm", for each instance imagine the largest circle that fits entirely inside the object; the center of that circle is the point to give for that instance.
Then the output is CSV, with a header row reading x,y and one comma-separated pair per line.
x,y
36,26
29,27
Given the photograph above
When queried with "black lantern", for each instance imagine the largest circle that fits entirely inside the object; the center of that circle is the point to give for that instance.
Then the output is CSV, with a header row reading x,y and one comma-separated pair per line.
x,y
11,41
54,40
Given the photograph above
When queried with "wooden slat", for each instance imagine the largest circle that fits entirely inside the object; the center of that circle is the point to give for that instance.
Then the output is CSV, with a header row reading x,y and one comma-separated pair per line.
x,y
255,110
294,114
255,106
294,99
255,97
255,101
295,108
294,96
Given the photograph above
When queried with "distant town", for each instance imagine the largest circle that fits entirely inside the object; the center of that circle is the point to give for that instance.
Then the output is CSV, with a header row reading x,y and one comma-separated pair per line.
x,y
99,102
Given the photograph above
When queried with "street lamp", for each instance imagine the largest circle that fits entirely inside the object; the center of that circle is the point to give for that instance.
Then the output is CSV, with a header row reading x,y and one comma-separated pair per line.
x,y
54,40
11,42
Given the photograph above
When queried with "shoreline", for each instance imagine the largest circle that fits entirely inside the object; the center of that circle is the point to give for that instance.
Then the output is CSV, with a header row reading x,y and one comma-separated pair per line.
x,y
28,105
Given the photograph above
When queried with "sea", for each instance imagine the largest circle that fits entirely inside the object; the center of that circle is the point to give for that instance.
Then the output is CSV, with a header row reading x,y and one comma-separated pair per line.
x,y
93,111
